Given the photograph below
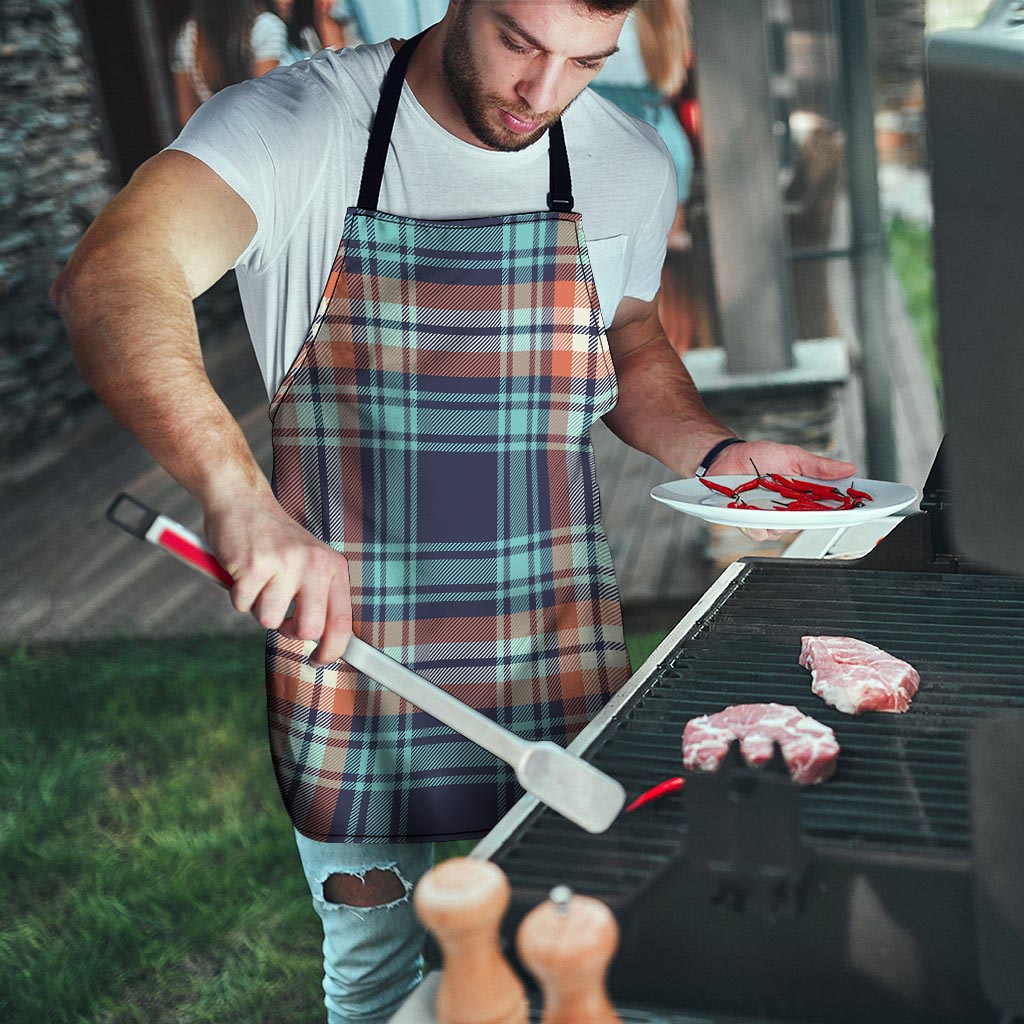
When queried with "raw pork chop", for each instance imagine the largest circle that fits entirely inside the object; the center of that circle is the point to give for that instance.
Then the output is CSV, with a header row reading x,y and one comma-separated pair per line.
x,y
855,677
809,748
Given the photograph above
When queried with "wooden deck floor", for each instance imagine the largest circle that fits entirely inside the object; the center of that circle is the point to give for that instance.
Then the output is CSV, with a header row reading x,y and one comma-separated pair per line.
x,y
73,575
77,576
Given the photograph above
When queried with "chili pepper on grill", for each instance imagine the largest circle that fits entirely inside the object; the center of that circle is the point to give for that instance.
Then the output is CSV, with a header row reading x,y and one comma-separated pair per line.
x,y
720,488
656,793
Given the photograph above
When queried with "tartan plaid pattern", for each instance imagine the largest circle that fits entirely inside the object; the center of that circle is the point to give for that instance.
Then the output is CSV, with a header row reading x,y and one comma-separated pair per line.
x,y
435,428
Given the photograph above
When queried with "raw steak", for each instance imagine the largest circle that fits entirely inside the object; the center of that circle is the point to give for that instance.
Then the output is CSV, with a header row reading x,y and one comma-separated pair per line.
x,y
855,677
809,748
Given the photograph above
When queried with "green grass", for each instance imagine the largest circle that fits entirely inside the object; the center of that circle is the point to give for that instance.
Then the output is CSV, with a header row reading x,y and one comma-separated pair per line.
x,y
641,646
910,246
148,871
152,871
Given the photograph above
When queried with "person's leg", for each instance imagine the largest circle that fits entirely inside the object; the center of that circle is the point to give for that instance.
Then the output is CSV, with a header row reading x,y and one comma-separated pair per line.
x,y
373,943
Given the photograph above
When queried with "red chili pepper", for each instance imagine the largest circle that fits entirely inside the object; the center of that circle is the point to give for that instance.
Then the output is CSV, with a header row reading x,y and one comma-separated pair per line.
x,y
863,495
806,505
809,487
750,485
656,793
720,488
787,492
772,485
793,485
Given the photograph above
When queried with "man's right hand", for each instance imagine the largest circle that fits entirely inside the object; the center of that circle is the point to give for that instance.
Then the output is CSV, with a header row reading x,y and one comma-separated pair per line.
x,y
274,561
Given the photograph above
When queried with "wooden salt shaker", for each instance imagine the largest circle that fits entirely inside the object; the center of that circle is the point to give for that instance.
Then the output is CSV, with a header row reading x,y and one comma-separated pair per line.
x,y
462,901
567,943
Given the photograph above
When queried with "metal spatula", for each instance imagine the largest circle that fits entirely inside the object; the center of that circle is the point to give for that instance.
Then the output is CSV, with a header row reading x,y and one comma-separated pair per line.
x,y
567,784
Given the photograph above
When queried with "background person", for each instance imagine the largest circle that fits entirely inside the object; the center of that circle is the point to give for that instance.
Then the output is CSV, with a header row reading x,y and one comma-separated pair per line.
x,y
224,42
372,21
314,24
647,75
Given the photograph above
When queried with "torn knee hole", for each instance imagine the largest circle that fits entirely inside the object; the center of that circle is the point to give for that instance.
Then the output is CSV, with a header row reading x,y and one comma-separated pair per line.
x,y
373,889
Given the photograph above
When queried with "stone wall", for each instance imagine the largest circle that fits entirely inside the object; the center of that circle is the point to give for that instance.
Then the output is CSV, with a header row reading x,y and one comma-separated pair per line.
x,y
54,178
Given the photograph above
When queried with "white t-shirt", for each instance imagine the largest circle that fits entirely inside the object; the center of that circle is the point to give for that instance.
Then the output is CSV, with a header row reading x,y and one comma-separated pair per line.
x,y
292,144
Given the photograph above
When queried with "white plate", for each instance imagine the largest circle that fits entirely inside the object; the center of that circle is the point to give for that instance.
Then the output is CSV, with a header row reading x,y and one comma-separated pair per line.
x,y
693,498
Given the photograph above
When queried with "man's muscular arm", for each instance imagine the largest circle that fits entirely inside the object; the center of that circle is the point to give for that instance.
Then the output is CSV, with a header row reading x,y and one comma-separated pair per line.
x,y
659,410
126,300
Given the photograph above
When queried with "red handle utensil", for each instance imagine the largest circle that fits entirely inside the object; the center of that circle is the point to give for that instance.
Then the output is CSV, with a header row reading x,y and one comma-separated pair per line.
x,y
147,524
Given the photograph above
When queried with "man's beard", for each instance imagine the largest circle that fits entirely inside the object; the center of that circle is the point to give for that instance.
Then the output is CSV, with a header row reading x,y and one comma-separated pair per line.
x,y
464,83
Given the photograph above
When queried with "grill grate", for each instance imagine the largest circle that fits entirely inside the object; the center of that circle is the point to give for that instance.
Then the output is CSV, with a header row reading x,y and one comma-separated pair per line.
x,y
902,779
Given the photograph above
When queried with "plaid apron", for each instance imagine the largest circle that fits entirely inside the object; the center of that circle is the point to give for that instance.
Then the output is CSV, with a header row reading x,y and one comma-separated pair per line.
x,y
435,428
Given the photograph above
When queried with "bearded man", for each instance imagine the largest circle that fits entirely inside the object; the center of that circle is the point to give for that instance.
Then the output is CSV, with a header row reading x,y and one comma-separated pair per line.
x,y
449,252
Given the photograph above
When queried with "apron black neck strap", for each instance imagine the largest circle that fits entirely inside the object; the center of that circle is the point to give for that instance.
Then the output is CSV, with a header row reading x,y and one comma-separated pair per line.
x,y
559,198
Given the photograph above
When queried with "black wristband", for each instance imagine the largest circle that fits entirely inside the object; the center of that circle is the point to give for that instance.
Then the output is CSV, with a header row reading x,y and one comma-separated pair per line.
x,y
705,463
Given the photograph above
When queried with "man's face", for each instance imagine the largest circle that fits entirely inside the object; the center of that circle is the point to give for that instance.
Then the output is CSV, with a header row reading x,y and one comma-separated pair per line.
x,y
513,66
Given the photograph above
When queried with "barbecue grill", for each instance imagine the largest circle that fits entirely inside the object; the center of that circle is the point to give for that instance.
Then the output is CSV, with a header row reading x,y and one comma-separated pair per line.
x,y
744,896
894,892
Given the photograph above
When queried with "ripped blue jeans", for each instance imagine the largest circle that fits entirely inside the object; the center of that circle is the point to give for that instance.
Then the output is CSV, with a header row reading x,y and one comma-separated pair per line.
x,y
372,954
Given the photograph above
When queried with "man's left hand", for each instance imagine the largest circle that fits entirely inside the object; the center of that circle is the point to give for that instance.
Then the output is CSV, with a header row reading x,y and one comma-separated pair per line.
x,y
771,457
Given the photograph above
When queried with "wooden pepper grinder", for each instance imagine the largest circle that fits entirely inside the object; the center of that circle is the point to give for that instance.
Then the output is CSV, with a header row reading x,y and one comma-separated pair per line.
x,y
462,901
567,943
